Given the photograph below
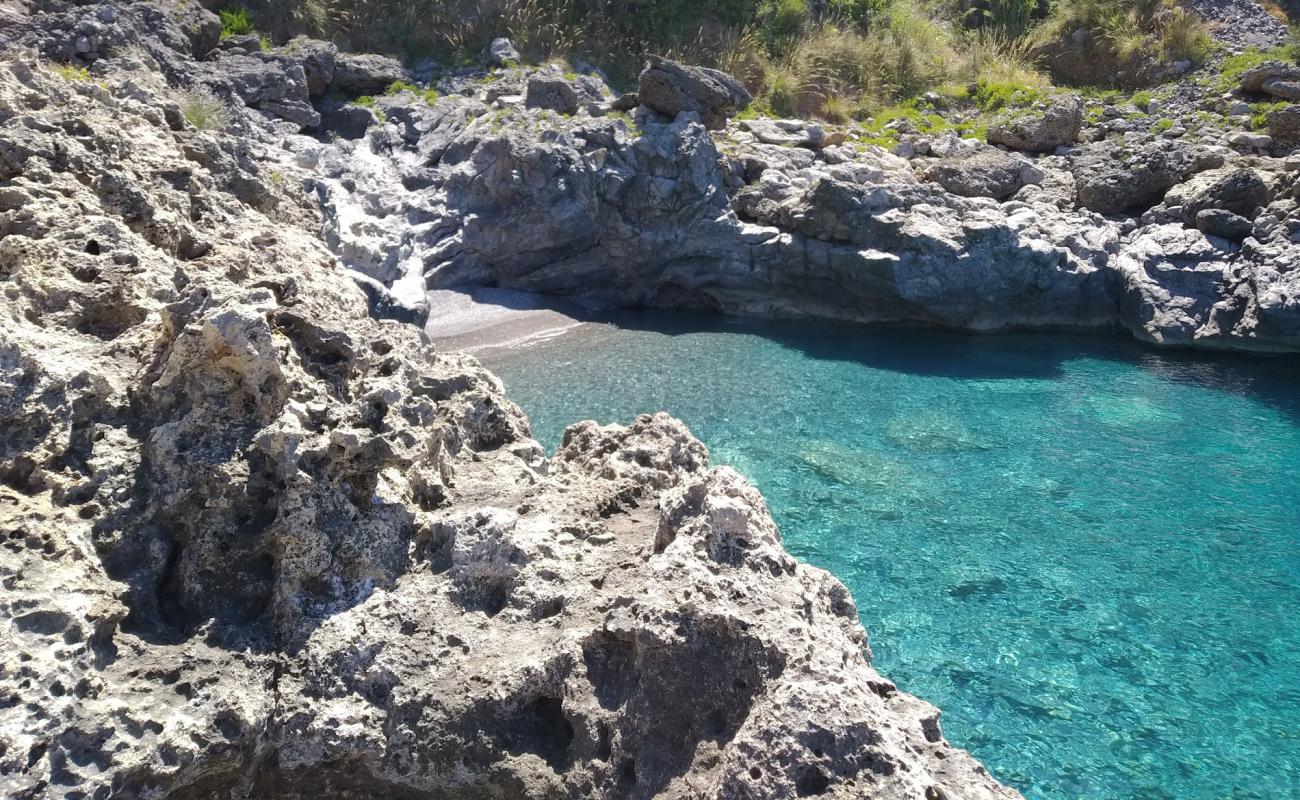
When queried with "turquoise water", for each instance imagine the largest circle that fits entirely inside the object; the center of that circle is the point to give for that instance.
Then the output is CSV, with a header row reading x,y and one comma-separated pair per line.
x,y
1086,552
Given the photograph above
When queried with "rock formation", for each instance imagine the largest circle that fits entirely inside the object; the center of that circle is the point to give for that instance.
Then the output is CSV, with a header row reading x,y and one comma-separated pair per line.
x,y
782,218
260,544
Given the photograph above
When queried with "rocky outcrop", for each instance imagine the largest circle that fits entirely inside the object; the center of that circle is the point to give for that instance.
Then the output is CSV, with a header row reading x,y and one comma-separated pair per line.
x,y
260,544
365,73
1113,179
1041,129
671,88
767,219
986,172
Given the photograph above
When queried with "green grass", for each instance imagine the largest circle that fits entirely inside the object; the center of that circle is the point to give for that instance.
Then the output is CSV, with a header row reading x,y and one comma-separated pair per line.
x,y
1162,125
235,21
429,95
1234,67
875,130
1141,100
990,96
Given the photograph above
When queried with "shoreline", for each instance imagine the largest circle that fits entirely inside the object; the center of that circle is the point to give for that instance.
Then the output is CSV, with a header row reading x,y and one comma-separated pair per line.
x,y
484,320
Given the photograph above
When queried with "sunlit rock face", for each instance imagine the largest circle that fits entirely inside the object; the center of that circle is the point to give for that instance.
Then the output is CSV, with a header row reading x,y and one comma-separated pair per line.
x,y
261,544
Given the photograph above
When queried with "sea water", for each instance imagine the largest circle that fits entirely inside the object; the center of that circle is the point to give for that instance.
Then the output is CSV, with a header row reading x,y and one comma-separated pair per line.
x,y
1086,552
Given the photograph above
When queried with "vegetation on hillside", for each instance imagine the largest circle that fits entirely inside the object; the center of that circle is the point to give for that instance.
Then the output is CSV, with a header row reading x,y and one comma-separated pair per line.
x,y
834,59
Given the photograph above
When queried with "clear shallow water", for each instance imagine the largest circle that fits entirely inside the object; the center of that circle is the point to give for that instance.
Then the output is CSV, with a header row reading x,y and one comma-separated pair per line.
x,y
1086,552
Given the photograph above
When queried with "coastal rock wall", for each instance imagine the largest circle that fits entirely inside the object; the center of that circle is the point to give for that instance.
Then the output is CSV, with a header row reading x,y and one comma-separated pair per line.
x,y
260,544
758,219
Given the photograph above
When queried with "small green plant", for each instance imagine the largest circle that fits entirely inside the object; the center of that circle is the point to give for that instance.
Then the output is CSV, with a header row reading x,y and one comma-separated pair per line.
x,y
204,110
429,95
1259,112
71,72
365,101
235,21
1142,100
1162,125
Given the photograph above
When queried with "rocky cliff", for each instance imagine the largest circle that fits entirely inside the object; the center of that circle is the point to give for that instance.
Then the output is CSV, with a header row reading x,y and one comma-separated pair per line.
x,y
258,543
1180,237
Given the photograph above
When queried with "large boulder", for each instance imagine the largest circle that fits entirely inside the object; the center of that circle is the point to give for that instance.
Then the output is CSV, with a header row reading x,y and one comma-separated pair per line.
x,y
987,172
1223,224
317,59
1112,178
1284,125
501,52
265,82
1040,129
1255,80
365,73
1173,286
671,88
552,92
1241,192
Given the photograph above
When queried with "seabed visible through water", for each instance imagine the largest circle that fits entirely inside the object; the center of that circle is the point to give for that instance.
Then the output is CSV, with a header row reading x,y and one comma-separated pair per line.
x,y
1083,550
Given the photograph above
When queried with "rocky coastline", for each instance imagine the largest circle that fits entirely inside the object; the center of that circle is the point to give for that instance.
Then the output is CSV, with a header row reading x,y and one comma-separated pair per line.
x,y
1063,219
259,543
263,541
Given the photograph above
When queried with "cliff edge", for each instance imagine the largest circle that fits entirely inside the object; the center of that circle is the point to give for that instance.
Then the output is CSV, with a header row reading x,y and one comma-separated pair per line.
x,y
260,544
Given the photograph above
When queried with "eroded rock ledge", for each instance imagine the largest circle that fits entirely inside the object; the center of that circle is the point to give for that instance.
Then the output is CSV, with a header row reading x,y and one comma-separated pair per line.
x,y
259,544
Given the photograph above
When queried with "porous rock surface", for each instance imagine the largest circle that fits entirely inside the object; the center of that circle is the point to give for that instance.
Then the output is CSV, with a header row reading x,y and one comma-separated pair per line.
x,y
260,544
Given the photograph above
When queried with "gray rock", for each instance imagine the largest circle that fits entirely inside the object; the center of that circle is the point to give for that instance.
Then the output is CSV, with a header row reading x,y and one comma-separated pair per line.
x,y
550,91
260,543
1224,224
791,133
501,52
266,82
671,88
1040,129
317,60
246,44
1285,89
625,102
1255,79
1241,192
1113,178
1174,284
987,172
1251,140
1284,125
365,73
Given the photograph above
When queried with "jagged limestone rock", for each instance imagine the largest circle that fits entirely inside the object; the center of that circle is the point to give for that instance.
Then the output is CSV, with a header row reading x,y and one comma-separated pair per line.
x,y
260,544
